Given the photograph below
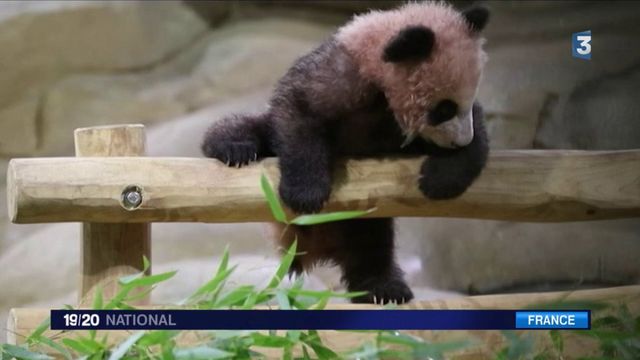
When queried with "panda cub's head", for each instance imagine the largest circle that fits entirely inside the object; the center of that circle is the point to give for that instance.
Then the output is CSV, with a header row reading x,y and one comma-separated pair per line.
x,y
427,58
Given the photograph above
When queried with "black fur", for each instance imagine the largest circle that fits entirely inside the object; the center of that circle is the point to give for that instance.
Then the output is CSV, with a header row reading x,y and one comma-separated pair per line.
x,y
238,140
476,17
445,110
323,109
412,43
448,173
374,271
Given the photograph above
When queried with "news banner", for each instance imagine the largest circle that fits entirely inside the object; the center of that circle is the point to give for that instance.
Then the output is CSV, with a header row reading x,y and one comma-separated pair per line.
x,y
387,319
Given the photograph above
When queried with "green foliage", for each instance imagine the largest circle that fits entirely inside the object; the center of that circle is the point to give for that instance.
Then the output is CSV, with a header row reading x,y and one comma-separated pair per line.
x,y
518,346
618,335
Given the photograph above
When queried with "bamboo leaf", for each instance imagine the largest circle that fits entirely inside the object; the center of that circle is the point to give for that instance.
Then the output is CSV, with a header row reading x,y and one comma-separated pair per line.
x,y
224,261
167,349
157,337
139,295
322,302
146,264
78,346
97,298
212,285
283,300
320,294
556,339
19,352
400,339
283,268
236,297
314,219
124,346
305,354
147,280
367,351
201,353
312,339
270,340
54,345
37,333
251,300
272,199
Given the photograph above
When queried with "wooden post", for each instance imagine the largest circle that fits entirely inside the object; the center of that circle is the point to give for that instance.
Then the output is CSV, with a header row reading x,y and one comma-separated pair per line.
x,y
110,251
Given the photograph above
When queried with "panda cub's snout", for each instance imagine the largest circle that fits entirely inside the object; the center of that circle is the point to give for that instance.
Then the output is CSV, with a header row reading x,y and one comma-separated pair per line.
x,y
448,126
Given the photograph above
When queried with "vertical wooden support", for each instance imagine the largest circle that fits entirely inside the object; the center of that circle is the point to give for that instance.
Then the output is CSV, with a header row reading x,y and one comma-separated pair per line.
x,y
110,251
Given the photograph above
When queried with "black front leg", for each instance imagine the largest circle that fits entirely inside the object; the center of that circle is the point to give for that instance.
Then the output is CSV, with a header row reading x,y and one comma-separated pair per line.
x,y
447,173
305,168
238,140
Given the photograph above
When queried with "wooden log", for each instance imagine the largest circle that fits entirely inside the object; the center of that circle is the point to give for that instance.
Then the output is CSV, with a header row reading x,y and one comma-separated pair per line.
x,y
540,186
22,322
110,251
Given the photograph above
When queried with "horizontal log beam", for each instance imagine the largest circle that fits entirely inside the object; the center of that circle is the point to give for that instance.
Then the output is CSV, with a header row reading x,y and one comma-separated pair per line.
x,y
538,186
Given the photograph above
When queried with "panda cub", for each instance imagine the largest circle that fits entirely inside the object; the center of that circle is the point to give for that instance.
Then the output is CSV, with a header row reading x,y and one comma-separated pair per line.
x,y
402,81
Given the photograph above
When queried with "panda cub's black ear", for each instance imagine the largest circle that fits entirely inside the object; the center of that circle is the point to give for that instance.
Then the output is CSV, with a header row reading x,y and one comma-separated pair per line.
x,y
476,18
411,43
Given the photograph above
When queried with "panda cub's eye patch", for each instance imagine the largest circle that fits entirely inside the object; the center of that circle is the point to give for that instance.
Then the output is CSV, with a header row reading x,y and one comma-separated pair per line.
x,y
445,110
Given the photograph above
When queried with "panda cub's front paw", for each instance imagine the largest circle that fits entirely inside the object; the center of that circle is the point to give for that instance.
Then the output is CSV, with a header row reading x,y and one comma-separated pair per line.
x,y
441,179
232,153
305,197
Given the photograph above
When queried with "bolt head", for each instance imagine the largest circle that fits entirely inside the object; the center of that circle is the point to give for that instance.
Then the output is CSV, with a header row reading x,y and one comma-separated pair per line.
x,y
133,198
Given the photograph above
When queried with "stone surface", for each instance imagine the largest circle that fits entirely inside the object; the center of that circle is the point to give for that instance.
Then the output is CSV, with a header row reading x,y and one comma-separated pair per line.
x,y
492,256
598,114
43,43
233,61
18,129
531,76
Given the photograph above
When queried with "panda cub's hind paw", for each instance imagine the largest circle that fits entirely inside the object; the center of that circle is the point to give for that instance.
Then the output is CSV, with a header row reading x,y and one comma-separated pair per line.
x,y
384,291
232,153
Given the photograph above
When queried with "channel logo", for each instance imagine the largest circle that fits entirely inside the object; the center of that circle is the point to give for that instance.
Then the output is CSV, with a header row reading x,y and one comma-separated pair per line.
x,y
581,45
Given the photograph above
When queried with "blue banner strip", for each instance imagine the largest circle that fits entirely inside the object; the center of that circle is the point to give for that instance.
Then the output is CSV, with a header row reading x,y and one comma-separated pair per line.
x,y
317,319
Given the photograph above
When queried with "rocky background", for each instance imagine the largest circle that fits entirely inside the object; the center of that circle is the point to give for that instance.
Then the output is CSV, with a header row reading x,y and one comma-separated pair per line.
x,y
178,66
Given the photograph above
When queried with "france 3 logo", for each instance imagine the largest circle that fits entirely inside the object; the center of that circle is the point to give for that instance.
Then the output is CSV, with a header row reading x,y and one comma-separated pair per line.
x,y
581,45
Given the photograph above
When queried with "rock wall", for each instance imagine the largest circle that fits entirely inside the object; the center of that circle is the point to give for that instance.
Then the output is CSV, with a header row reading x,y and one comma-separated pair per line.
x,y
178,66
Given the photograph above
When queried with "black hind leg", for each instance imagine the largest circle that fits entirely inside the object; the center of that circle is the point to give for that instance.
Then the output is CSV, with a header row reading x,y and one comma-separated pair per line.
x,y
366,257
238,140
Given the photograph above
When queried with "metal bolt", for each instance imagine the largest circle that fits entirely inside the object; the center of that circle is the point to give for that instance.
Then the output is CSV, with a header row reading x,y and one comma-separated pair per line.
x,y
131,197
